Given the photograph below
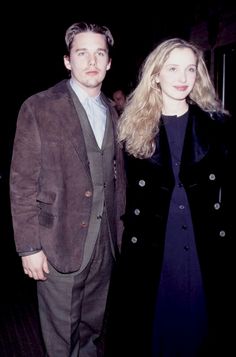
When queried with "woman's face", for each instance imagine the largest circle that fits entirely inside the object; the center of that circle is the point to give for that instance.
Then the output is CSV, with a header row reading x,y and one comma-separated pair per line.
x,y
178,75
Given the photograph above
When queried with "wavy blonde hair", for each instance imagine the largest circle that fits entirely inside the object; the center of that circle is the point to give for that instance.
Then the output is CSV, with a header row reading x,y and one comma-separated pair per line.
x,y
139,123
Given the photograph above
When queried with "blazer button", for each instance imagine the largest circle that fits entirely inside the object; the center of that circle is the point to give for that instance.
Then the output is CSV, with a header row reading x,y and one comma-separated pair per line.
x,y
83,224
88,194
222,233
216,206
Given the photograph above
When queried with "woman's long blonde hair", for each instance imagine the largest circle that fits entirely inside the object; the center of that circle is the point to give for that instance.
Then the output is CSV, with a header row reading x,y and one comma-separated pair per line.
x,y
139,123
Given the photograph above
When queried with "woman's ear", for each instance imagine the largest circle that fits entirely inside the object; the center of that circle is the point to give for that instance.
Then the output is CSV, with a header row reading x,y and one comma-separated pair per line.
x,y
157,78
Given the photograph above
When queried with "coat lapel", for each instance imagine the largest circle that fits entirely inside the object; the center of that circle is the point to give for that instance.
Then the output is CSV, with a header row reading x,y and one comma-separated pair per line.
x,y
196,144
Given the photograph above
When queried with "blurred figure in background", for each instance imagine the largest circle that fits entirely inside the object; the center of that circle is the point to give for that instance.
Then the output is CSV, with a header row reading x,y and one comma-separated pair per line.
x,y
119,98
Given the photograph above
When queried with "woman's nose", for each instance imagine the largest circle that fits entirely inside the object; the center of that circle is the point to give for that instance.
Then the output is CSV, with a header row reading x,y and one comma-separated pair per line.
x,y
182,77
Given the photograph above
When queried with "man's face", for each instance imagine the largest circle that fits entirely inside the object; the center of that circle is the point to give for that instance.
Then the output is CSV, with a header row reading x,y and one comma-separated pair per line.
x,y
88,60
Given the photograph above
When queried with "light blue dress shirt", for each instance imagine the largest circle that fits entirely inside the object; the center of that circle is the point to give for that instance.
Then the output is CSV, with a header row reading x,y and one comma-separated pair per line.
x,y
95,111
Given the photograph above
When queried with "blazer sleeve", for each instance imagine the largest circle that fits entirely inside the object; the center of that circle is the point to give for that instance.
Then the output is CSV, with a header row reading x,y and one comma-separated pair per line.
x,y
24,180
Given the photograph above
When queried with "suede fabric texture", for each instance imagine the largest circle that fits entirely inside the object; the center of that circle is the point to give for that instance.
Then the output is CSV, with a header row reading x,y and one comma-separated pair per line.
x,y
50,181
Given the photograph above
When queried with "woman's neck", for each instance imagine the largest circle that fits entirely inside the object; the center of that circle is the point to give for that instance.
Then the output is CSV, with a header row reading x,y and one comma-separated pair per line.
x,y
178,109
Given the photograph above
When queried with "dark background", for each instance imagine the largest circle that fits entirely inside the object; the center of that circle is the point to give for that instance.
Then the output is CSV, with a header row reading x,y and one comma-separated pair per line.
x,y
39,37
32,60
32,49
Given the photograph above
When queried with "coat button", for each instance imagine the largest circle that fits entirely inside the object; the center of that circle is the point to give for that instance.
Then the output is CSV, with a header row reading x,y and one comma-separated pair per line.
x,y
212,177
88,194
217,206
142,183
137,212
222,233
134,240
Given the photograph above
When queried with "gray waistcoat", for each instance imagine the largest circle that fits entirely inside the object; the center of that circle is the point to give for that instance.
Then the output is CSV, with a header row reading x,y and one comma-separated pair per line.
x,y
101,163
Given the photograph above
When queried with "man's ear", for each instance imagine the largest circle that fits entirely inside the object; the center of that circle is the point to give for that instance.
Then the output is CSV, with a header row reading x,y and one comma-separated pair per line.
x,y
109,65
67,62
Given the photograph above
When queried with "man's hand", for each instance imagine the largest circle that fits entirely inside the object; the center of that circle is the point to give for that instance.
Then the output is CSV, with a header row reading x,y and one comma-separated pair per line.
x,y
35,265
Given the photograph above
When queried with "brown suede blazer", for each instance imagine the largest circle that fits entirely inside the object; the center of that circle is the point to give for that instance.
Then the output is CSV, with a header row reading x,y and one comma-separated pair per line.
x,y
50,183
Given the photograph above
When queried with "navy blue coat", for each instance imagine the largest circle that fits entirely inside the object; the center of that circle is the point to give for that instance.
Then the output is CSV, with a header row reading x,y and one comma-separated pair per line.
x,y
207,173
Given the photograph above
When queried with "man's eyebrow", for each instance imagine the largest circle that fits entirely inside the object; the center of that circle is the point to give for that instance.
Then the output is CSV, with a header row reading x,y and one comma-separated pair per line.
x,y
86,49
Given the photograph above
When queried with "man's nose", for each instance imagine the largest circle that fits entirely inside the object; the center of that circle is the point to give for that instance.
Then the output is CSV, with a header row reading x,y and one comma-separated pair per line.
x,y
92,60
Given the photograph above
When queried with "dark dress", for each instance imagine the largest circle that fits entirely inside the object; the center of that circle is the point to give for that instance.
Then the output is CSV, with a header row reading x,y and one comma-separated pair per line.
x,y
180,322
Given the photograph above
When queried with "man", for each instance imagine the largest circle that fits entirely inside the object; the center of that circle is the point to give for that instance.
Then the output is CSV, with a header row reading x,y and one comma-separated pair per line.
x,y
65,198
119,98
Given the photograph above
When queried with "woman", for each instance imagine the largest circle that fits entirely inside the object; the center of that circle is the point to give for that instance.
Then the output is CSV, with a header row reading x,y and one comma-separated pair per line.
x,y
172,293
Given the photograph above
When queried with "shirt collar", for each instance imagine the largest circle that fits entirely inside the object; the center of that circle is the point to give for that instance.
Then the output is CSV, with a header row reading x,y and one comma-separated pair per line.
x,y
80,92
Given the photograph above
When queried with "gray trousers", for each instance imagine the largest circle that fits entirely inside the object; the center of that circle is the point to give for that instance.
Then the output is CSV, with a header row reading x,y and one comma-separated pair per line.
x,y
72,306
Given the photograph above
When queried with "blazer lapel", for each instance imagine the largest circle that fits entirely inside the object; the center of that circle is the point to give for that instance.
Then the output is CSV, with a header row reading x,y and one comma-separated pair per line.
x,y
72,126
